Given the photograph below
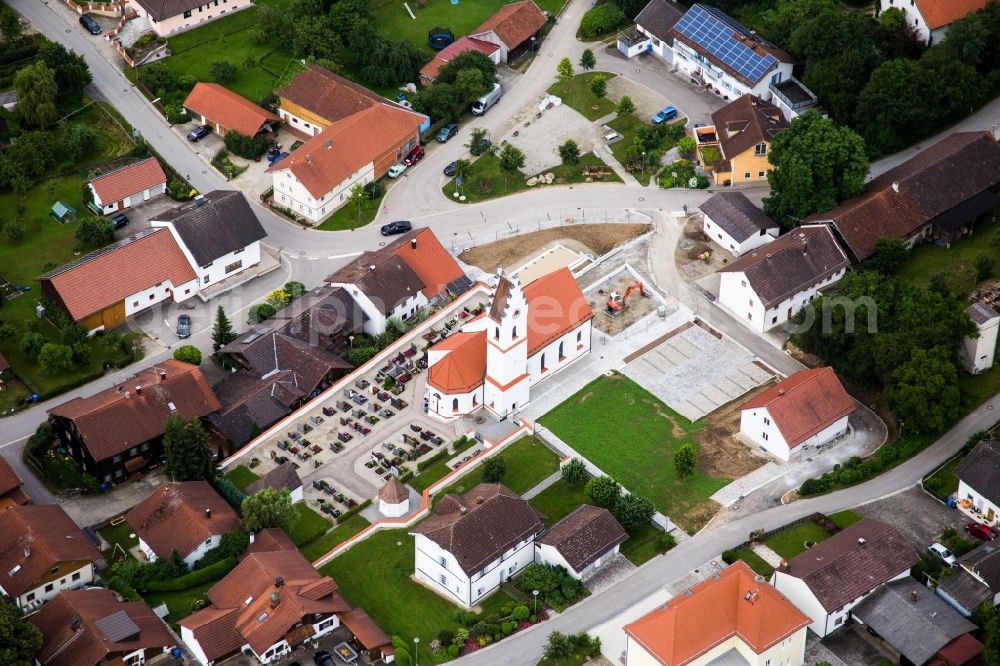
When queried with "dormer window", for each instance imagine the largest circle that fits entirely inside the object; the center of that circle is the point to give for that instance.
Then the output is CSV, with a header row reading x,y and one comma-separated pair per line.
x,y
761,149
496,333
514,333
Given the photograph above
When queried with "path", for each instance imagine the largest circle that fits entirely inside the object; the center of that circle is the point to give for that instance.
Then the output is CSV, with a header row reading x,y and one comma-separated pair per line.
x,y
544,484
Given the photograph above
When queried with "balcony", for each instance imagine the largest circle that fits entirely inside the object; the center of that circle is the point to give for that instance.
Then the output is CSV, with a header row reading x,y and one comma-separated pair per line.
x,y
793,94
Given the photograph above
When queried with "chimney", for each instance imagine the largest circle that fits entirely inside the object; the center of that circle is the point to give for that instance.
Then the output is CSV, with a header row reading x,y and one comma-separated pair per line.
x,y
861,541
138,389
127,396
279,581
27,551
74,623
413,243
463,510
479,500
163,375
309,158
895,186
275,598
208,513
913,596
371,267
781,391
199,201
329,144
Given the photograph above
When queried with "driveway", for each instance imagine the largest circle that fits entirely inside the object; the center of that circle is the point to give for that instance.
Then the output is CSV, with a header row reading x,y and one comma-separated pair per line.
x,y
917,515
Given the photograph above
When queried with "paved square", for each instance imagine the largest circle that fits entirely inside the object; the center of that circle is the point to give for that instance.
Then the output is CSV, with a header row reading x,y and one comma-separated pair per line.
x,y
695,373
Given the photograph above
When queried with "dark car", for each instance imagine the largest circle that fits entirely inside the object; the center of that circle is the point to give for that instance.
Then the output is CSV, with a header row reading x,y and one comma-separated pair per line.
x,y
199,133
450,170
398,227
90,24
184,326
980,531
446,132
323,658
119,221
414,155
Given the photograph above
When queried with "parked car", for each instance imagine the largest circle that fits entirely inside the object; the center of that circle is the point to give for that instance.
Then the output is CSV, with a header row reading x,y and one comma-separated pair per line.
x,y
119,221
199,133
980,531
184,326
665,114
397,227
414,155
450,170
323,658
481,105
942,553
90,24
396,170
446,132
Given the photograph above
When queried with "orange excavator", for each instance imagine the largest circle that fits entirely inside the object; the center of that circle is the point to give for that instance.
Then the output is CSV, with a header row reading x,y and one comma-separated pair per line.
x,y
618,300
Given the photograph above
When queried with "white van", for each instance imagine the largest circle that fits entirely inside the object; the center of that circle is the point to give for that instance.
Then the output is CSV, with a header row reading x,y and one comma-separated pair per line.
x,y
480,106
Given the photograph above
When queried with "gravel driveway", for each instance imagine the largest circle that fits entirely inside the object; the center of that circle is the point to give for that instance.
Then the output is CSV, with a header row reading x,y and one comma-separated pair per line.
x,y
917,515
541,138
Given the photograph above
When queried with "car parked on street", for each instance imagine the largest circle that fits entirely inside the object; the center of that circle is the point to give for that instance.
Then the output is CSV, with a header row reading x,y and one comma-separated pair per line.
x,y
414,155
980,531
119,221
92,26
446,132
397,227
396,170
665,114
184,326
943,554
199,133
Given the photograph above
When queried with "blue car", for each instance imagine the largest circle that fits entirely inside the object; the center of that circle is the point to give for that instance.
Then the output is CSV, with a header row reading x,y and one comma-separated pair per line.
x,y
665,114
448,131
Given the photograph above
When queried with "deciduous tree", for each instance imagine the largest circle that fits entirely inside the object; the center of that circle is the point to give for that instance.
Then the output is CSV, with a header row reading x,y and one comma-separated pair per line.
x,y
564,70
223,71
493,469
72,74
633,511
55,359
511,159
890,255
36,89
685,460
599,86
925,393
569,152
188,354
604,491
266,508
94,232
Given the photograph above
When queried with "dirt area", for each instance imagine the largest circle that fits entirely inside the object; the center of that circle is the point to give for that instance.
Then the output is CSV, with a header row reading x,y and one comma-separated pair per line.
x,y
597,239
636,308
691,245
647,101
720,454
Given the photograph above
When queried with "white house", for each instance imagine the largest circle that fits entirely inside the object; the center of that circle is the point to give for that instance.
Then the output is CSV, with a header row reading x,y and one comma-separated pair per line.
x,y
128,186
835,575
652,30
186,516
515,28
807,409
979,350
393,499
474,542
733,222
282,477
582,542
769,285
527,335
976,580
733,617
930,18
979,481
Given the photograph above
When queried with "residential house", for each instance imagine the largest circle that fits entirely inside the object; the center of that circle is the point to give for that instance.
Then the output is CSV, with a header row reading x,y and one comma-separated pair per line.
x,y
474,542
912,621
739,140
401,278
652,30
92,627
219,234
224,111
936,194
11,492
930,18
768,286
733,222
527,335
374,642
975,581
167,17
430,71
148,268
282,477
582,542
186,516
268,605
733,617
793,98
42,553
118,431
127,186
806,410
726,57
393,499
515,28
267,540
831,578
979,481
979,350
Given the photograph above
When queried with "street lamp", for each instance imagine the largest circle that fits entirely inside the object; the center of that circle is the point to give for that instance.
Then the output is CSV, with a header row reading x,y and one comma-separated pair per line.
x,y
416,650
350,338
534,593
644,164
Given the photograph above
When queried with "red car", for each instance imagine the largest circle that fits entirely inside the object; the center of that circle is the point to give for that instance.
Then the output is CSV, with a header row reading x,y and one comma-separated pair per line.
x,y
980,531
414,156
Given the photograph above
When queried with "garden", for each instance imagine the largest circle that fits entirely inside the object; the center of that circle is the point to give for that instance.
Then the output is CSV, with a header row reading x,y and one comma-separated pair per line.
x,y
643,145
577,93
797,539
526,463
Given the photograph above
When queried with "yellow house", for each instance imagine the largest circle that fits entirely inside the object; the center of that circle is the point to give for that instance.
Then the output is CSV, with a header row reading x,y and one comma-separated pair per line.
x,y
735,147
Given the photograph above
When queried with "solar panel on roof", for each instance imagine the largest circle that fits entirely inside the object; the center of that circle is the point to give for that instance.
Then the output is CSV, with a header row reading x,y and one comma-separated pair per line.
x,y
459,285
117,627
714,32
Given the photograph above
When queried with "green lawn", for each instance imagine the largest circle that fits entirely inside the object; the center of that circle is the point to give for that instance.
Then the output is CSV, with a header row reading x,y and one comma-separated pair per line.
x,y
241,476
324,544
576,94
349,217
528,461
375,575
179,603
791,542
943,482
631,435
558,501
120,534
955,263
628,126
436,471
307,525
642,545
977,389
755,561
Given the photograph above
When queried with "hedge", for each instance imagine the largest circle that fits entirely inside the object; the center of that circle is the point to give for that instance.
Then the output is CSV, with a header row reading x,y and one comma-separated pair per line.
x,y
427,462
347,514
197,577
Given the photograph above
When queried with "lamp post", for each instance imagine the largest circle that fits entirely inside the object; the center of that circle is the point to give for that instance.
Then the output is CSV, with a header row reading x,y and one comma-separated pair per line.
x,y
350,338
416,650
534,593
644,164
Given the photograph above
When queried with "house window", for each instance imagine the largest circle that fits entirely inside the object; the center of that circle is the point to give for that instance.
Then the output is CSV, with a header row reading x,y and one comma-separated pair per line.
x,y
561,355
579,336
75,576
839,621
750,316
774,319
135,304
543,363
767,421
760,150
133,451
496,333
235,266
152,296
513,334
444,579
187,14
49,587
743,283
205,280
143,447
746,176
116,459
30,597
444,562
454,405
479,592
760,174
764,436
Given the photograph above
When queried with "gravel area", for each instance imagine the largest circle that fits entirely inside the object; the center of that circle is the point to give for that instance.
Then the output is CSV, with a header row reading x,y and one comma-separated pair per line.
x,y
541,137
917,515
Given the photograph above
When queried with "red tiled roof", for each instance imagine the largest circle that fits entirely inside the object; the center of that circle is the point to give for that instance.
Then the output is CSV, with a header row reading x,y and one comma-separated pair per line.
x,y
128,180
139,262
223,106
365,629
340,150
428,259
962,650
111,422
939,13
514,23
174,517
804,404
268,540
713,611
555,306
448,53
329,96
9,480
464,367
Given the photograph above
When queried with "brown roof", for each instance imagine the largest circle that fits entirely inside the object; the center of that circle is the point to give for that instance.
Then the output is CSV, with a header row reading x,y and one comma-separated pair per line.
x,y
514,23
383,276
162,9
327,95
939,13
117,419
9,480
852,563
448,53
33,539
259,601
746,122
393,492
424,254
498,299
732,603
138,262
479,526
281,477
735,214
268,540
108,628
804,403
174,517
901,201
221,105
980,470
128,180
365,629
584,536
796,261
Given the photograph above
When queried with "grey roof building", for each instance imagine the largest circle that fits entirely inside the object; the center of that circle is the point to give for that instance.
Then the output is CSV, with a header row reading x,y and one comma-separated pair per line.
x,y
658,17
980,470
214,225
736,215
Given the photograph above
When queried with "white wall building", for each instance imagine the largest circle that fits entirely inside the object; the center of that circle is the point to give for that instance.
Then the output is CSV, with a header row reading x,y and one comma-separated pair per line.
x,y
979,481
930,18
582,542
393,499
733,222
652,30
979,351
128,186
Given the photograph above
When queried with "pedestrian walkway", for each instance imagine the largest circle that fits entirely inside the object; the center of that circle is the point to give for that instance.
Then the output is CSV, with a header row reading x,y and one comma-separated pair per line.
x,y
766,554
743,486
545,483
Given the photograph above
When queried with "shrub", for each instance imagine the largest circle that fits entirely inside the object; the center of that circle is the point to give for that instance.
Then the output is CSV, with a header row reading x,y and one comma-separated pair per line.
x,y
729,556
601,20
262,312
555,586
569,152
249,148
440,455
494,469
222,71
294,289
666,541
520,613
188,354
453,651
196,577
575,473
